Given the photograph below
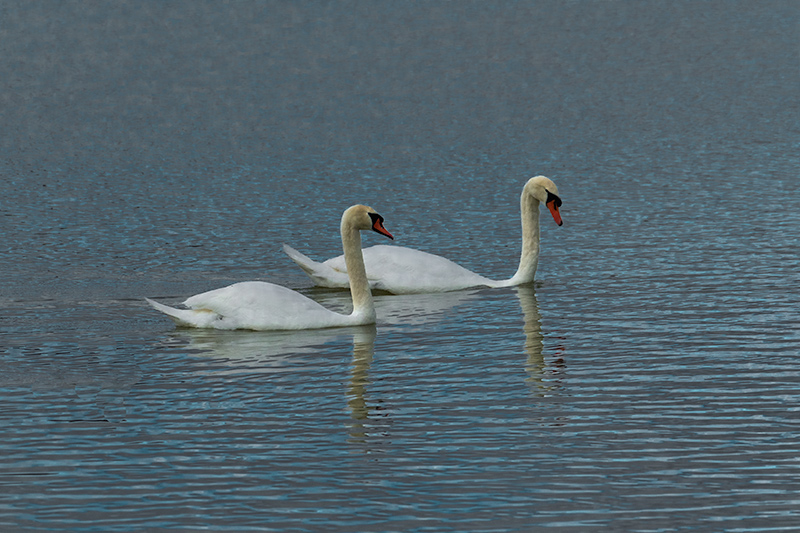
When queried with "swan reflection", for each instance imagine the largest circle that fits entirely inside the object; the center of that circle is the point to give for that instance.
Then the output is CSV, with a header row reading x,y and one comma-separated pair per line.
x,y
262,351
357,389
271,352
236,352
417,309
544,377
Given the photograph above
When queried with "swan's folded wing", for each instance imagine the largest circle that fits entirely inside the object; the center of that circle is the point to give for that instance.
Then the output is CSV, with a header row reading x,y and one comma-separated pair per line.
x,y
405,270
394,269
263,306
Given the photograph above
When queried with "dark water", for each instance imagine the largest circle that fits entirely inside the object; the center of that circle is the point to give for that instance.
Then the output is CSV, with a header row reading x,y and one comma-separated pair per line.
x,y
649,381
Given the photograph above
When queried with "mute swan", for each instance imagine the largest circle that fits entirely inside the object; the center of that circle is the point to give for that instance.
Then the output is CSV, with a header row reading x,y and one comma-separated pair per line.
x,y
404,270
259,305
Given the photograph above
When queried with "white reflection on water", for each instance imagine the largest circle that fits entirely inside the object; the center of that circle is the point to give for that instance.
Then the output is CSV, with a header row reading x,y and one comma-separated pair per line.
x,y
363,352
246,352
544,377
257,351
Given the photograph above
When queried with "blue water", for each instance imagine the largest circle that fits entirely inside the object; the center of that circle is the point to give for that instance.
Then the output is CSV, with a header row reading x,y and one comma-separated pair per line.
x,y
648,381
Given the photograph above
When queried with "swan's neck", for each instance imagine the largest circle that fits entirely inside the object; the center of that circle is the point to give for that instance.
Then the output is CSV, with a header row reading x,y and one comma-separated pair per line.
x,y
529,258
363,306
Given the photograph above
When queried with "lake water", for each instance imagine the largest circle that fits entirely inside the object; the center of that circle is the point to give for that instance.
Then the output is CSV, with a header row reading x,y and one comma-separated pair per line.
x,y
648,381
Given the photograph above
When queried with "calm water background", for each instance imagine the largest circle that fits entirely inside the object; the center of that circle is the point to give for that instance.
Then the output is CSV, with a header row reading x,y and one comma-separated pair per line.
x,y
649,381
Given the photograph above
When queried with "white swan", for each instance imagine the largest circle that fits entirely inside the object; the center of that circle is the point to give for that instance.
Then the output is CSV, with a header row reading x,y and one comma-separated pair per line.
x,y
258,305
403,270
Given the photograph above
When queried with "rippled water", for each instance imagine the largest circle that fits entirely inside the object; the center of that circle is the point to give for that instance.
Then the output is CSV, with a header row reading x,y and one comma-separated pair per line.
x,y
648,381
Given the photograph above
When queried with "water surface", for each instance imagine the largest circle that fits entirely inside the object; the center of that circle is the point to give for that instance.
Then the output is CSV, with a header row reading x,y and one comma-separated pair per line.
x,y
648,381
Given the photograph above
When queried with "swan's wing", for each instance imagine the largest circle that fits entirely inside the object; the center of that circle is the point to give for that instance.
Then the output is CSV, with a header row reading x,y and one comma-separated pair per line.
x,y
263,306
405,270
394,269
322,274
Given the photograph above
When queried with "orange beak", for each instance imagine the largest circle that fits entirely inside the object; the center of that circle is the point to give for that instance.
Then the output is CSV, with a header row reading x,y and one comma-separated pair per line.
x,y
377,225
551,205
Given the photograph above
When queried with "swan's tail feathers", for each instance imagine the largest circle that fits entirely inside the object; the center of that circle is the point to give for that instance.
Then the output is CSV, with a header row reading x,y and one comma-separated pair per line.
x,y
186,317
320,273
308,265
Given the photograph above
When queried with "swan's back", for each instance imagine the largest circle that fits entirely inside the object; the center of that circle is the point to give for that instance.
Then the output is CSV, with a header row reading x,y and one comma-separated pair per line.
x,y
264,306
405,270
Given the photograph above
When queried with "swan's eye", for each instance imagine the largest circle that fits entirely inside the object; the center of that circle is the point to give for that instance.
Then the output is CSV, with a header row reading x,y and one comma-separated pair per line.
x,y
553,198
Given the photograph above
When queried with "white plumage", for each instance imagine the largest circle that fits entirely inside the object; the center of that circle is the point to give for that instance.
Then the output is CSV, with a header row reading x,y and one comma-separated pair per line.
x,y
402,270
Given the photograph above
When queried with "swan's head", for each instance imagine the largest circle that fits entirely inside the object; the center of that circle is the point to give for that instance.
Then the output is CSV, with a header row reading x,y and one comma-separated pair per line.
x,y
544,190
362,217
